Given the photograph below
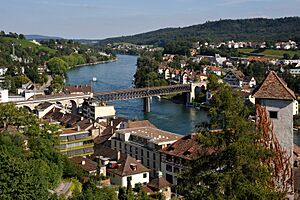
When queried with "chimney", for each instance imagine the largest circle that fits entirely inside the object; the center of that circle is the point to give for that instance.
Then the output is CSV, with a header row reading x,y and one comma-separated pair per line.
x,y
83,162
78,127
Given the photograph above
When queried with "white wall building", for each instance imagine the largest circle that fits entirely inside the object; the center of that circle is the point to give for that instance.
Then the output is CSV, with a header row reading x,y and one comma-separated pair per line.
x,y
127,169
143,143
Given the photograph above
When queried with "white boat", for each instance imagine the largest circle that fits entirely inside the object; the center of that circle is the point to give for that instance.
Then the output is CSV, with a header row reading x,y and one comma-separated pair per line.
x,y
94,79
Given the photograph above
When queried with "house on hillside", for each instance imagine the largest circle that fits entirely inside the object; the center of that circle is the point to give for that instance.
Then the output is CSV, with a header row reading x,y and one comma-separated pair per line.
x,y
236,78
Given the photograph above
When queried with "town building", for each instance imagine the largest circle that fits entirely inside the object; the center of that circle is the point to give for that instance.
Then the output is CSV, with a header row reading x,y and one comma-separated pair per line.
x,y
75,142
3,71
77,89
143,143
96,111
158,185
176,157
277,99
127,169
86,164
236,78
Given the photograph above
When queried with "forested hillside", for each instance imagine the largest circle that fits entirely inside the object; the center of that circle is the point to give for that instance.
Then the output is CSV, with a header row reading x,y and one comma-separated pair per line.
x,y
258,29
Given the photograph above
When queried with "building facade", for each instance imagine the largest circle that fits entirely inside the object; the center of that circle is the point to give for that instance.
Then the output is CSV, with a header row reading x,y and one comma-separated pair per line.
x,y
74,142
143,143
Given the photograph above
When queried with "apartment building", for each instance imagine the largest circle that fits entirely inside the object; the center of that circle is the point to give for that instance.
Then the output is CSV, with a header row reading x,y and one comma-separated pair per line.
x,y
144,144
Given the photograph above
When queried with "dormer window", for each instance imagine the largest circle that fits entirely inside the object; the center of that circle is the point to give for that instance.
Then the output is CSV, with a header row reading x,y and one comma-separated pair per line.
x,y
273,114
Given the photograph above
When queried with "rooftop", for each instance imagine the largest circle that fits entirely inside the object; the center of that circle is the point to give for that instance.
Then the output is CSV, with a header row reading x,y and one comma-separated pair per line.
x,y
273,87
86,164
140,123
128,166
155,135
187,147
71,89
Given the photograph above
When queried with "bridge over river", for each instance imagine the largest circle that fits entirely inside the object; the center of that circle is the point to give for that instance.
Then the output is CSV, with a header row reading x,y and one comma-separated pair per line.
x,y
135,93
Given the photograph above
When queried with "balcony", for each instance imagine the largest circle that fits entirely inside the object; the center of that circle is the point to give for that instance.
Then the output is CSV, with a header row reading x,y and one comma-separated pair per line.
x,y
73,141
78,147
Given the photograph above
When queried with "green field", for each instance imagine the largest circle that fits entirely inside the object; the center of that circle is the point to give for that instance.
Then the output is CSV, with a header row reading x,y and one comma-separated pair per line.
x,y
270,53
27,44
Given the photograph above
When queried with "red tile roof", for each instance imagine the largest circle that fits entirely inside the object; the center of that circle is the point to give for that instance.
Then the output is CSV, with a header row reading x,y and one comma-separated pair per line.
x,y
273,87
186,147
158,184
124,167
88,165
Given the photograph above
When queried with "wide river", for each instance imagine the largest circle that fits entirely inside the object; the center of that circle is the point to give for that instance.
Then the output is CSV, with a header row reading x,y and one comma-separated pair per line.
x,y
119,75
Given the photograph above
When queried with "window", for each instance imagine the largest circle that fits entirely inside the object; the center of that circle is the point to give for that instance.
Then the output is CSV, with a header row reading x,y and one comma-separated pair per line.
x,y
120,145
154,165
142,152
145,175
176,170
273,114
147,154
154,156
169,168
169,178
115,144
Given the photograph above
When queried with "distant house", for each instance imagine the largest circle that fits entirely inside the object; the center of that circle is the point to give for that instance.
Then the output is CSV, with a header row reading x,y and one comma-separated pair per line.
x,y
77,89
212,69
294,71
127,169
236,78
249,81
3,71
217,59
86,164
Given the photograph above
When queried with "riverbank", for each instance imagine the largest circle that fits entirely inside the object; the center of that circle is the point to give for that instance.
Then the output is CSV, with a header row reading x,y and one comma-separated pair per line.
x,y
96,63
118,76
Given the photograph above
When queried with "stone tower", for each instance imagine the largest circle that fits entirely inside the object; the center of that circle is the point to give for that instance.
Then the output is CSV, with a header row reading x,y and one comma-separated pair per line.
x,y
274,104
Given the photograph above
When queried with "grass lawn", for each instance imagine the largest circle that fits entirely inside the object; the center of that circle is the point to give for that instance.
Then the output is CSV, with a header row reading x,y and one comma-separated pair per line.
x,y
28,44
271,53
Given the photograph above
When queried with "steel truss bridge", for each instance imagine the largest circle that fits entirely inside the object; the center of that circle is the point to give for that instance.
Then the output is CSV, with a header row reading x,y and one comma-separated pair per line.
x,y
141,92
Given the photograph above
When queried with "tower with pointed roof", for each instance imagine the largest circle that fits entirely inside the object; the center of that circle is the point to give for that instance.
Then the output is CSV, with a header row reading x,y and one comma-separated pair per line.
x,y
277,99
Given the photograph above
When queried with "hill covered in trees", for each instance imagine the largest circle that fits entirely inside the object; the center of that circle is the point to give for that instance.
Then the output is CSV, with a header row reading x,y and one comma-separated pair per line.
x,y
256,29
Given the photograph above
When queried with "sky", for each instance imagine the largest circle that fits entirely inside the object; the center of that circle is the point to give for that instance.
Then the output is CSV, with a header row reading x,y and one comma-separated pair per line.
x,y
99,19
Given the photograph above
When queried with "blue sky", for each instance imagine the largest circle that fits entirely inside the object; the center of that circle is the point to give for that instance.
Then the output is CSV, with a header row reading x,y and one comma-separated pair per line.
x,y
97,19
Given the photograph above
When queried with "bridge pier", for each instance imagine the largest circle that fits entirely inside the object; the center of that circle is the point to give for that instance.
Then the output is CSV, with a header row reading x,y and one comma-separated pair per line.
x,y
147,105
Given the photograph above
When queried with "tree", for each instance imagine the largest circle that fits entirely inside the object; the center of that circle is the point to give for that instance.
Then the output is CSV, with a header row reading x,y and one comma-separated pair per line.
x,y
129,192
122,194
230,166
296,57
286,56
28,169
57,66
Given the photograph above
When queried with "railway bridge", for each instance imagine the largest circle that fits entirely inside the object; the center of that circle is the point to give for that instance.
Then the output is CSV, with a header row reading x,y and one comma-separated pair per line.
x,y
135,93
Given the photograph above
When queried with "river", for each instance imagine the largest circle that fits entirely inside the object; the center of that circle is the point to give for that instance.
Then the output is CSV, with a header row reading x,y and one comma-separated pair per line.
x,y
118,75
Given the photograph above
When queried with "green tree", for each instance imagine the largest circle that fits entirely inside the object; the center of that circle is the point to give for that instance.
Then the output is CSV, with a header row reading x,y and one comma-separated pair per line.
x,y
286,56
230,166
57,66
296,57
